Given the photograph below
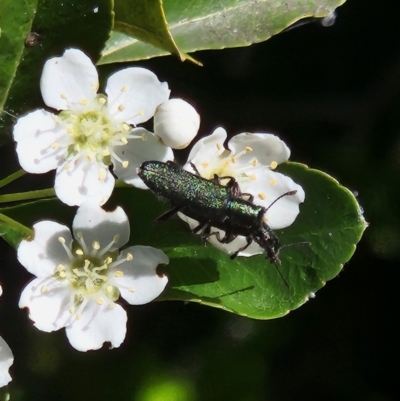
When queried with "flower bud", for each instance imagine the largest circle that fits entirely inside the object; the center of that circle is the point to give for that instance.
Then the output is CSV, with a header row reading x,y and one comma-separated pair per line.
x,y
176,122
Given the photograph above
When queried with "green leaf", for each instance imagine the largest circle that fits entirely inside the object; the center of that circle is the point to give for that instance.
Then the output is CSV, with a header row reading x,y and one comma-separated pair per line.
x,y
145,20
16,18
330,220
207,24
56,25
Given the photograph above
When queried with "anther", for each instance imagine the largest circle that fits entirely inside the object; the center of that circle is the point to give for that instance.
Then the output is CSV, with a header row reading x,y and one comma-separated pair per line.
x,y
105,153
121,107
254,162
63,96
129,257
262,195
125,164
96,245
219,146
43,289
273,165
144,137
124,140
79,252
248,149
99,301
124,89
83,101
55,145
102,174
272,182
119,273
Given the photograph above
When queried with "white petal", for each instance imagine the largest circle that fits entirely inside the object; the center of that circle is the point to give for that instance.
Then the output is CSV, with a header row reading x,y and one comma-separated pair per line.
x,y
134,93
41,141
49,310
84,181
208,147
98,225
266,148
6,360
268,187
140,283
44,252
98,324
176,122
136,151
69,81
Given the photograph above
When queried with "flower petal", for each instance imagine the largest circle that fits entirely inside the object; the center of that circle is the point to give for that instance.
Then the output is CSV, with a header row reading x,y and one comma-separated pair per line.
x,y
266,148
41,141
208,147
98,324
134,93
69,81
98,225
86,180
136,151
48,301
268,187
140,283
6,360
44,252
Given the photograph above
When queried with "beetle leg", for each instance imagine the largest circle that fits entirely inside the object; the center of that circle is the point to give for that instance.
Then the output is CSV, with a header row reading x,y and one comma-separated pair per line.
x,y
169,214
249,241
250,197
199,227
226,239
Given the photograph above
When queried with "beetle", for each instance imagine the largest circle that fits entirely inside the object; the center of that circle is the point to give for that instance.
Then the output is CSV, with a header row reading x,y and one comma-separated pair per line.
x,y
213,205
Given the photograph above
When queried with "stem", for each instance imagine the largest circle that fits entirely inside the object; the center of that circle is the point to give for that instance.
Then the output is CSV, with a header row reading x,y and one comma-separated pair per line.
x,y
39,194
12,177
13,225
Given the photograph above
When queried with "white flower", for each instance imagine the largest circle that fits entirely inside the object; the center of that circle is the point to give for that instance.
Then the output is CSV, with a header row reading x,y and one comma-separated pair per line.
x,y
79,278
250,159
91,131
6,359
176,122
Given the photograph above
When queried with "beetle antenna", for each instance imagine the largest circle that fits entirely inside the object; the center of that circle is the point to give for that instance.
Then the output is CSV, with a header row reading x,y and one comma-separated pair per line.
x,y
281,196
277,265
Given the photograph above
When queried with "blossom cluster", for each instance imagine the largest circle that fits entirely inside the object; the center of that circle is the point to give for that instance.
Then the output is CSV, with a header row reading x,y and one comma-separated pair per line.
x,y
80,276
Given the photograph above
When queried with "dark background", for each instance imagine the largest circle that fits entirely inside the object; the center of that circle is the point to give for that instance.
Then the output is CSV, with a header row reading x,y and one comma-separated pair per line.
x,y
333,94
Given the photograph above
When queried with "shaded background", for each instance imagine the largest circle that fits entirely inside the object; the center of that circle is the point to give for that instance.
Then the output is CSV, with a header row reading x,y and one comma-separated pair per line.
x,y
333,94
